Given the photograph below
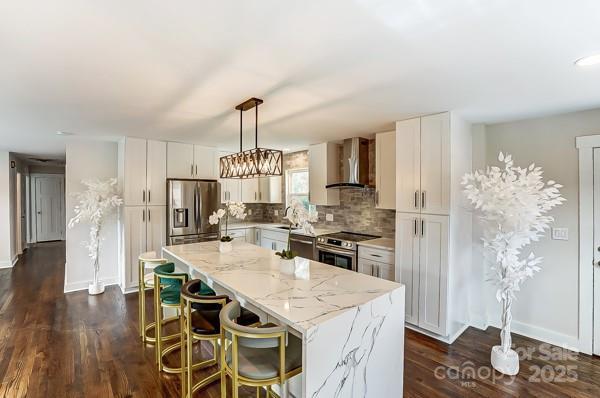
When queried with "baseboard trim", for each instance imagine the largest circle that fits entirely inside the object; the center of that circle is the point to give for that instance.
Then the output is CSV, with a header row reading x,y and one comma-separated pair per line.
x,y
543,335
83,285
6,264
128,290
444,339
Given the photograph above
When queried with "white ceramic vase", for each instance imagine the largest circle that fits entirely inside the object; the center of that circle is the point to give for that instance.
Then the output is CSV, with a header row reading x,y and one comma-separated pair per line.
x,y
225,247
287,265
95,288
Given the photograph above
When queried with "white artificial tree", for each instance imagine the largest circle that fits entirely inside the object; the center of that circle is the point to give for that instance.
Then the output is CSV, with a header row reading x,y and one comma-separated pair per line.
x,y
95,203
513,203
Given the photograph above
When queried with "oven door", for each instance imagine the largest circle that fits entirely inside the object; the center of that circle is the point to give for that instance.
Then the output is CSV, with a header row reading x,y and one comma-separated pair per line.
x,y
338,258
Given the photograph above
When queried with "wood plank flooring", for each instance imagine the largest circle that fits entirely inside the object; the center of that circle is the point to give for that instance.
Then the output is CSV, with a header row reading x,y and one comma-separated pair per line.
x,y
74,345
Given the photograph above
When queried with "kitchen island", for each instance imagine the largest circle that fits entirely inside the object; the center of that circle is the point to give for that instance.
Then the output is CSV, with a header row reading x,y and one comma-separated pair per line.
x,y
351,325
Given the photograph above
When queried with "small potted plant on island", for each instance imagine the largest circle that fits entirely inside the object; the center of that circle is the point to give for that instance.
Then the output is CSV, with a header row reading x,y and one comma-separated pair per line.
x,y
235,209
298,216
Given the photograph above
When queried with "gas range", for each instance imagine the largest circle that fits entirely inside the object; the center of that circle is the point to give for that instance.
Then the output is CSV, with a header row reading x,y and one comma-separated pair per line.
x,y
340,249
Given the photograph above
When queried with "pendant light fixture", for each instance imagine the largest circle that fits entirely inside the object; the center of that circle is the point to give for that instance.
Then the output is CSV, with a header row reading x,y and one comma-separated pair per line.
x,y
257,162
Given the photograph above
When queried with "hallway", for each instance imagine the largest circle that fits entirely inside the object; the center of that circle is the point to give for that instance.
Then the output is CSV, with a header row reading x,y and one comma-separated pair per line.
x,y
74,345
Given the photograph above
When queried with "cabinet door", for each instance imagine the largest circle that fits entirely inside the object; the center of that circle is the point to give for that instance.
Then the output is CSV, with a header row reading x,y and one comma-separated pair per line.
x,y
280,246
204,162
269,189
251,235
323,169
386,271
433,273
134,190
180,160
234,190
156,228
408,165
365,267
385,170
407,262
156,173
435,164
134,241
267,243
249,190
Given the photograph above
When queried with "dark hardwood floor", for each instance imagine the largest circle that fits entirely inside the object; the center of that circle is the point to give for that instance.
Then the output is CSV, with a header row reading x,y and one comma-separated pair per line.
x,y
74,345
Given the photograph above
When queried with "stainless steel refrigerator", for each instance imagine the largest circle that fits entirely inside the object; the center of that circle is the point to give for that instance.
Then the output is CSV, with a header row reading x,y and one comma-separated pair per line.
x,y
189,203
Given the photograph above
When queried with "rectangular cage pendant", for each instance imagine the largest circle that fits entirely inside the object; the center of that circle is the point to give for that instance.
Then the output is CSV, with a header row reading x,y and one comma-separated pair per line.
x,y
257,162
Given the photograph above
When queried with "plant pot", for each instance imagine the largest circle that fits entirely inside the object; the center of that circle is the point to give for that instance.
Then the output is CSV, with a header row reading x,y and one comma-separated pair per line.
x,y
505,363
287,265
96,288
225,247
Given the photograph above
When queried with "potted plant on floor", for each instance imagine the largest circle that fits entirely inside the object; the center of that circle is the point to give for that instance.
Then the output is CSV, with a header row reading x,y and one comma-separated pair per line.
x,y
100,199
297,216
235,209
512,203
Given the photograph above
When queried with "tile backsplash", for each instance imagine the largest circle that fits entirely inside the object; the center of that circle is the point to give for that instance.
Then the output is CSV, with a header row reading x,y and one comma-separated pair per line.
x,y
356,211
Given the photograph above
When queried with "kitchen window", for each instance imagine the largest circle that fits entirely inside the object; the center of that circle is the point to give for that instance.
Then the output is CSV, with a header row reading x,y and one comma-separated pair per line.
x,y
296,186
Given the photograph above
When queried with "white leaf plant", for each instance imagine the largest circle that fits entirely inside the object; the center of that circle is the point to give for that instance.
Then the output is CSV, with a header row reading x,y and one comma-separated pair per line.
x,y
99,200
512,203
297,216
234,209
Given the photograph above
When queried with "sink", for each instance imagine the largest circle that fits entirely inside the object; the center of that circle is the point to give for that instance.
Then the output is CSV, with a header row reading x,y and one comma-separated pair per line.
x,y
293,228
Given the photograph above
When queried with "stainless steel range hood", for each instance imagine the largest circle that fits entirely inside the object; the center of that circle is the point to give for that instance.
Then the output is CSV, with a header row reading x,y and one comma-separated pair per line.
x,y
355,164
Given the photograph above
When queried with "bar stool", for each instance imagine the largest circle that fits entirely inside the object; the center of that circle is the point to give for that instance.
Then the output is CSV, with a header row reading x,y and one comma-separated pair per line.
x,y
146,261
167,294
200,309
258,357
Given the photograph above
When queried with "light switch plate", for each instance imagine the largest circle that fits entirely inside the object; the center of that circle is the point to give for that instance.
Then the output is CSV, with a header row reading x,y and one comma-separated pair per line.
x,y
329,217
276,212
560,233
249,212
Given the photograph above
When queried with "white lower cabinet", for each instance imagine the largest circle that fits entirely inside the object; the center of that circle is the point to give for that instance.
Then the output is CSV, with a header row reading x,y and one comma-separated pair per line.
x,y
273,240
144,229
376,262
422,266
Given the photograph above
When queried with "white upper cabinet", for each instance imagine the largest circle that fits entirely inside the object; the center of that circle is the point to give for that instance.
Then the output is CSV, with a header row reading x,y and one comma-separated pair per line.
x,y
142,170
408,165
323,169
385,170
231,188
156,173
134,184
180,160
191,161
435,164
204,163
269,189
423,165
250,190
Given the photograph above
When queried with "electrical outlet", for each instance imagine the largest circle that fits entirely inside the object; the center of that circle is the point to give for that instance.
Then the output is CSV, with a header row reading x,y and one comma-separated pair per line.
x,y
329,217
560,233
276,212
249,212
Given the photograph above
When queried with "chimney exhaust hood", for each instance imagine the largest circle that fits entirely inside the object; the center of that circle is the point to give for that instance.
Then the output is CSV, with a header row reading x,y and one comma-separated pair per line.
x,y
355,164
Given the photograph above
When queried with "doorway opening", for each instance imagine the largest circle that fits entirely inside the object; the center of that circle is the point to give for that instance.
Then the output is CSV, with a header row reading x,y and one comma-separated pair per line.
x,y
47,207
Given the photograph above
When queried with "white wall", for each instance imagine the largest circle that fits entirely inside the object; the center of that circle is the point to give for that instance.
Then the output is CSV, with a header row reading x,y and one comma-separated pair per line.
x,y
547,306
6,259
89,159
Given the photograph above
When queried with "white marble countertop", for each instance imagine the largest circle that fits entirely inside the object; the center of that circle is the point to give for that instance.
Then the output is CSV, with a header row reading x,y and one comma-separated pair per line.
x,y
275,227
252,273
379,243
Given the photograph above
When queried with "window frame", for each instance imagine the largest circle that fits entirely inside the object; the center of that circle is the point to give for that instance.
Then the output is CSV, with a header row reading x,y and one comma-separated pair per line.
x,y
288,178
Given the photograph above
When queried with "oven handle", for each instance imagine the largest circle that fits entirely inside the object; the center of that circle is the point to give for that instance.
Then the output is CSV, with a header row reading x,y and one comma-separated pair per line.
x,y
343,253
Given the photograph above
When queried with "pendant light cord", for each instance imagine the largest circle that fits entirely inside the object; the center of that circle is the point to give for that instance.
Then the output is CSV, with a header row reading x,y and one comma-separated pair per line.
x,y
256,127
241,130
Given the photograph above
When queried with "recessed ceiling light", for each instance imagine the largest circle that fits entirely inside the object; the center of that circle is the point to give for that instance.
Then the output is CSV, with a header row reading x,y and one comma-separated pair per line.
x,y
63,133
589,60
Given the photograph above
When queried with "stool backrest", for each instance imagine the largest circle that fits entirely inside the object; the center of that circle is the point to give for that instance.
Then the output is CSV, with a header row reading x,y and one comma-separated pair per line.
x,y
191,292
253,337
168,276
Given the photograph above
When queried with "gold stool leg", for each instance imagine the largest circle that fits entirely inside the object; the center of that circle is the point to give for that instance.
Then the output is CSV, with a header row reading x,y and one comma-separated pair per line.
x,y
184,370
140,313
158,322
223,364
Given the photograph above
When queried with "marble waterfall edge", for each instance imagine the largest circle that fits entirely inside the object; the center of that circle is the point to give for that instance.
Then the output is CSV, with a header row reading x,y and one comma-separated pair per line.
x,y
369,347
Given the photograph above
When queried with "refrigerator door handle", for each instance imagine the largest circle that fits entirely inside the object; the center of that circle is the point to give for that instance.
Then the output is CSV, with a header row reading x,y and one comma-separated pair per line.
x,y
198,213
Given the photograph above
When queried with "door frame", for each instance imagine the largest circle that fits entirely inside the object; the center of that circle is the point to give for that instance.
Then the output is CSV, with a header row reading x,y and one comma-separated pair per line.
x,y
585,146
33,203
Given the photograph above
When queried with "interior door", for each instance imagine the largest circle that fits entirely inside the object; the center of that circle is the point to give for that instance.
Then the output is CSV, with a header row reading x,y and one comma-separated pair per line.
x,y
408,165
156,175
135,227
435,164
407,262
49,208
134,191
596,326
433,273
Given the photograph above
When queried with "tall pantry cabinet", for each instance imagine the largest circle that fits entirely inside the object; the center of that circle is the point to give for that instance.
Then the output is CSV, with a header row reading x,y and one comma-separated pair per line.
x,y
142,178
433,225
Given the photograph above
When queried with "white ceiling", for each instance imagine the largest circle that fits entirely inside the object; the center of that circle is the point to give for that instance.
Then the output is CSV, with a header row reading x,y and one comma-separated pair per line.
x,y
325,69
